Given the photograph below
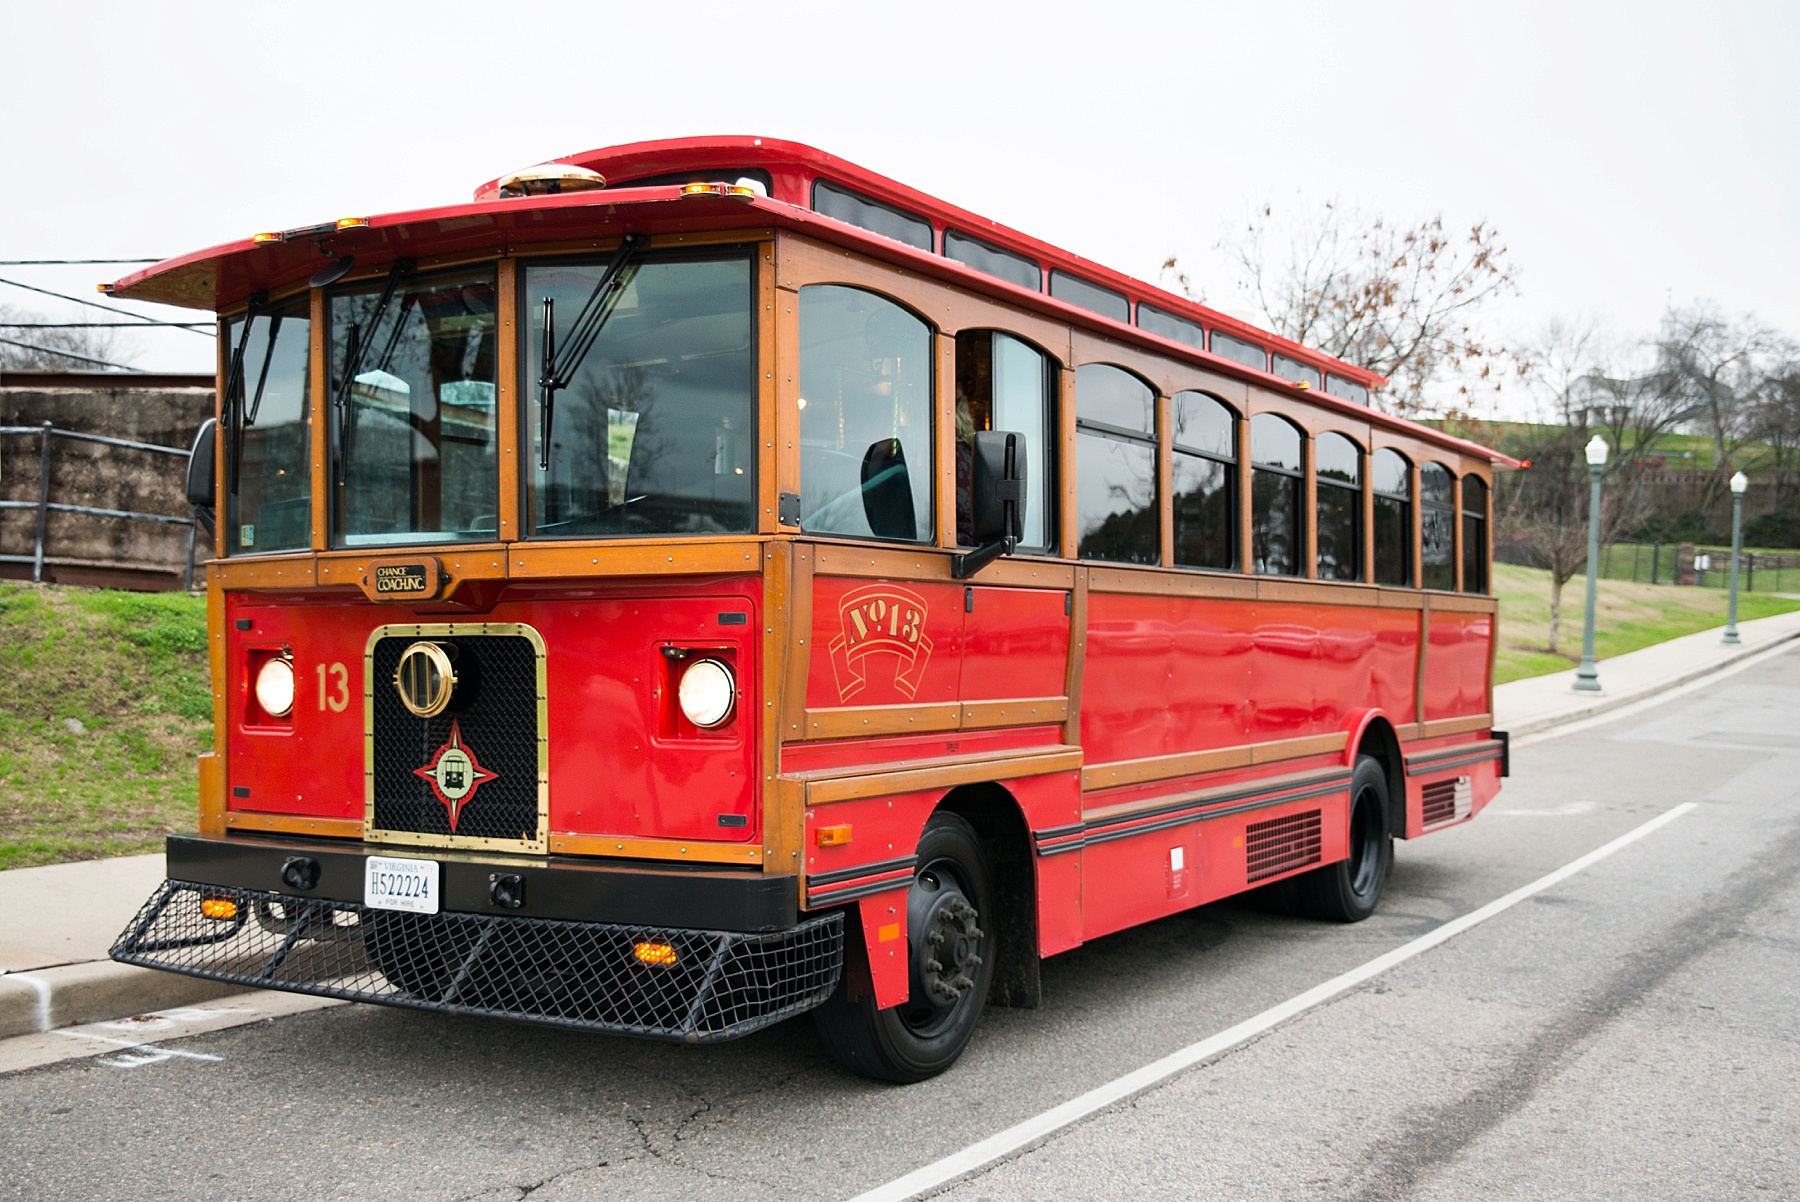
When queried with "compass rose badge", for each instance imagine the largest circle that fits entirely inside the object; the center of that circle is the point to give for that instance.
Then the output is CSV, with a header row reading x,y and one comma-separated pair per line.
x,y
454,774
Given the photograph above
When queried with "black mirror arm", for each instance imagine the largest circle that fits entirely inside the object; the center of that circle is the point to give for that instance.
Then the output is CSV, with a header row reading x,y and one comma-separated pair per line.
x,y
964,566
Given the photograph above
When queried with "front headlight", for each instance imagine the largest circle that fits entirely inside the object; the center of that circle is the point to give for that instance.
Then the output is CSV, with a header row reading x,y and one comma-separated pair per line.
x,y
708,693
275,687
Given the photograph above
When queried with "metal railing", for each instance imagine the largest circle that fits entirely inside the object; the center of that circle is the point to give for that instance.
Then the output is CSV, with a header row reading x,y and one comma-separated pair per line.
x,y
45,506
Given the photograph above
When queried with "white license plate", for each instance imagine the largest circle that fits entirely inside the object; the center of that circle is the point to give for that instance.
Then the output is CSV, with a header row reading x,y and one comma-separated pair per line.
x,y
394,884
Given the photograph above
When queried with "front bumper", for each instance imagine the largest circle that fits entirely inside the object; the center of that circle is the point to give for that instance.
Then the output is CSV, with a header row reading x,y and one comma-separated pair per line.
x,y
565,958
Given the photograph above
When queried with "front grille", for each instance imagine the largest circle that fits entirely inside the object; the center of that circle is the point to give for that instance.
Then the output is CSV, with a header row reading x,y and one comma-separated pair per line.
x,y
721,984
1279,845
494,715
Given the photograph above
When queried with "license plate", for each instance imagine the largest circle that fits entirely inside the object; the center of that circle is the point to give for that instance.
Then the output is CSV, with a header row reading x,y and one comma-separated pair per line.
x,y
394,884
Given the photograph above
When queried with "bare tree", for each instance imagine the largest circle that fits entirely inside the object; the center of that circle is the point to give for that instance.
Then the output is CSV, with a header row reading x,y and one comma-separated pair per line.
x,y
1401,300
43,346
1716,366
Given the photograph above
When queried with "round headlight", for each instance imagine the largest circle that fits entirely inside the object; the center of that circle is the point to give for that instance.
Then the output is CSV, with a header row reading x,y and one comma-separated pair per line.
x,y
708,693
275,687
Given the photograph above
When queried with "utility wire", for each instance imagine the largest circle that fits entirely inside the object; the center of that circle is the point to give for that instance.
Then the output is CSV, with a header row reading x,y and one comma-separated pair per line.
x,y
68,262
90,304
102,325
50,350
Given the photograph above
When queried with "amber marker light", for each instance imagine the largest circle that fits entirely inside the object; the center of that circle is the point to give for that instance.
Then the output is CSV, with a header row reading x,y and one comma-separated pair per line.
x,y
661,955
733,191
221,908
265,239
352,223
834,836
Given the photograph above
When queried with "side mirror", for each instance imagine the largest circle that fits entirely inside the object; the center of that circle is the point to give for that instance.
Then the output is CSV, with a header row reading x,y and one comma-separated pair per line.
x,y
202,468
887,491
997,499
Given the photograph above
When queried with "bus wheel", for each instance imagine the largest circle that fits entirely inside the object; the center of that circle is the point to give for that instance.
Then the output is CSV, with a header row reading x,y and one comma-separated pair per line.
x,y
951,970
1348,890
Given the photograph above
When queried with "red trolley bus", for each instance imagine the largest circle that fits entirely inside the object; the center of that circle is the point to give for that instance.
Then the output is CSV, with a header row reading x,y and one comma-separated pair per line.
x,y
703,581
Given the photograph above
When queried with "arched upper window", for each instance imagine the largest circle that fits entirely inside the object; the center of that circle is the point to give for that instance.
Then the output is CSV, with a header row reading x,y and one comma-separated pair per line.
x,y
1205,482
1437,527
865,416
1003,383
1115,465
1390,478
1277,487
1337,463
1474,534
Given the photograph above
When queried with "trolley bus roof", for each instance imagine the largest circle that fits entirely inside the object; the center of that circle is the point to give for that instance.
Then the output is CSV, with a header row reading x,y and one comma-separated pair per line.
x,y
221,277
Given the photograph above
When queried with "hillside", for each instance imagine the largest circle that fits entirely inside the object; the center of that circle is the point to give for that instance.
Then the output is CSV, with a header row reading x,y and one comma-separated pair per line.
x,y
104,703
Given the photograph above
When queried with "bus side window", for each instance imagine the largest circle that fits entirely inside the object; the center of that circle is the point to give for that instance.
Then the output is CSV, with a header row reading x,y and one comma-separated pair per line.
x,y
1205,482
1390,475
1437,526
1277,485
1003,383
1474,532
1115,466
865,416
1337,462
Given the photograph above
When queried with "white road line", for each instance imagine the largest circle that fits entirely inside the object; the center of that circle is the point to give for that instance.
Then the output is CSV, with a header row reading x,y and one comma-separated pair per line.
x,y
923,1182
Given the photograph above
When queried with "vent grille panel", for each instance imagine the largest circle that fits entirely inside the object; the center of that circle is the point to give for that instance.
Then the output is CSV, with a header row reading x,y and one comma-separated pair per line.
x,y
1444,801
1279,845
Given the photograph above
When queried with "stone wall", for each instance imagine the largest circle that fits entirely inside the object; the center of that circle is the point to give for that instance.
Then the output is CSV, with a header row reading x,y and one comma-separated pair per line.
x,y
81,548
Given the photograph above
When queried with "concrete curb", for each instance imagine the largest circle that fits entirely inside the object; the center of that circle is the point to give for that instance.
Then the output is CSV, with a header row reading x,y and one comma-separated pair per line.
x,y
1605,702
95,991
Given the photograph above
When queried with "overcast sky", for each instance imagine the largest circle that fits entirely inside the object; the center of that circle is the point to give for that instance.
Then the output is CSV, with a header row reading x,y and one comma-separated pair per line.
x,y
1632,154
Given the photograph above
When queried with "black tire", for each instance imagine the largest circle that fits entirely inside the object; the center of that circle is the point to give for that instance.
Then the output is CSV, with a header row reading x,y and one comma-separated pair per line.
x,y
1349,890
951,894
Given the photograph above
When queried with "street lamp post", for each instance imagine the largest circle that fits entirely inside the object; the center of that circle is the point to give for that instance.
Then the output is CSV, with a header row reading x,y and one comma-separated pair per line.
x,y
1739,482
1587,677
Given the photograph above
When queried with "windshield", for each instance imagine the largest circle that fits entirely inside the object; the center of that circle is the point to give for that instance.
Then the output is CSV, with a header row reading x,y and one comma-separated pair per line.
x,y
271,507
413,434
655,432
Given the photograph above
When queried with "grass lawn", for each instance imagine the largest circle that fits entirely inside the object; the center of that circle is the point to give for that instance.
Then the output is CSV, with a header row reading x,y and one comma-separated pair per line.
x,y
1627,617
104,703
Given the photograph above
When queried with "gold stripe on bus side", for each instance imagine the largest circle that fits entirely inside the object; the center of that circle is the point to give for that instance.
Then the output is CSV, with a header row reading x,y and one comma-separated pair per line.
x,y
946,772
1194,763
694,850
289,824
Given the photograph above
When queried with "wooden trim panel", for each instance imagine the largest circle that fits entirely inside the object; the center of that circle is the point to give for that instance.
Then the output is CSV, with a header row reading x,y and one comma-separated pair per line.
x,y
945,772
854,721
1455,726
695,557
274,572
563,843
1193,763
288,824
930,563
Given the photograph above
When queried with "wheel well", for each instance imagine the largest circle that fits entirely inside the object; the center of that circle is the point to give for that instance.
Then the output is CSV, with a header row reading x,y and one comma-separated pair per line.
x,y
1000,825
1380,741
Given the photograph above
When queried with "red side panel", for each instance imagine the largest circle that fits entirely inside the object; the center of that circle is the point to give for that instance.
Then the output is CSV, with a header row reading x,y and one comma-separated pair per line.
x,y
1130,660
884,936
1015,643
882,643
1456,666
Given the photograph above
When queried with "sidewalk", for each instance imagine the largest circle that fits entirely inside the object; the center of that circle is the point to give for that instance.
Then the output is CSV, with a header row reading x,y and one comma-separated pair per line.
x,y
56,923
1541,702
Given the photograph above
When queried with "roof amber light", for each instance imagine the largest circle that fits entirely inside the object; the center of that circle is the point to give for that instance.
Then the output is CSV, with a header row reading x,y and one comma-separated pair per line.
x,y
352,223
734,191
221,908
265,239
662,955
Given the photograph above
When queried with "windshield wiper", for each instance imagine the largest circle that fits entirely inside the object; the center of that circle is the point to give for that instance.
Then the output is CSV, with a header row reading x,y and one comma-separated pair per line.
x,y
556,371
234,390
354,347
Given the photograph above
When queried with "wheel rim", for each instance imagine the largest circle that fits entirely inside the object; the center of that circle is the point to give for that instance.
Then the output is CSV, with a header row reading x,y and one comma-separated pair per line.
x,y
1365,844
943,926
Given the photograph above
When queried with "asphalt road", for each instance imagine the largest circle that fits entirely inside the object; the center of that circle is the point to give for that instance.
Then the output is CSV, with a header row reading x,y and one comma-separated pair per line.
x,y
1631,1032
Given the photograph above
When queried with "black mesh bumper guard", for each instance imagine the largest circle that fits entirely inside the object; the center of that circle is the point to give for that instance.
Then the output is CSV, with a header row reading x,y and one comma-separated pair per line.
x,y
686,985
